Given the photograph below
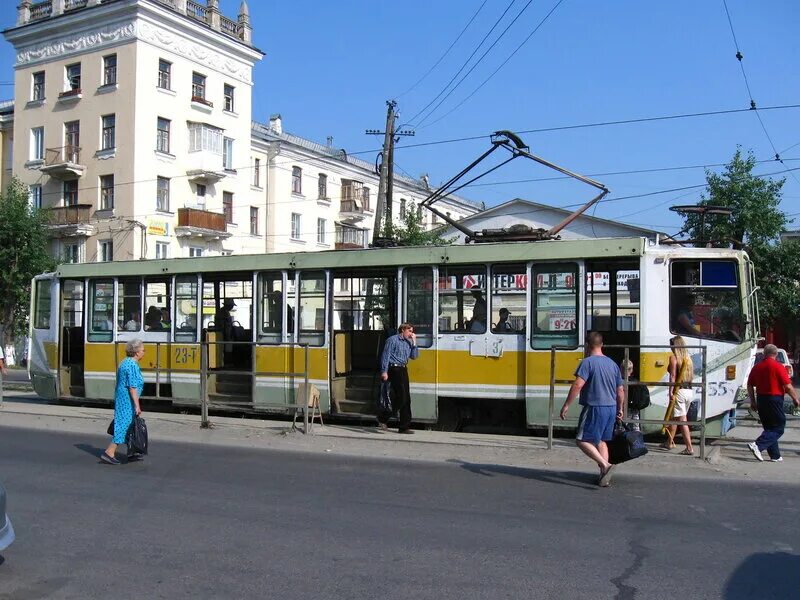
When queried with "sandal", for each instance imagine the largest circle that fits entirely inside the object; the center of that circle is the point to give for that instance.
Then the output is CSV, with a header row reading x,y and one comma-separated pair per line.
x,y
687,452
666,446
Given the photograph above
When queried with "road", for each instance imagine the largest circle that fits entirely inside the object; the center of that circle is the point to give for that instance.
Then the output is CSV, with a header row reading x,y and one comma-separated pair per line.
x,y
212,522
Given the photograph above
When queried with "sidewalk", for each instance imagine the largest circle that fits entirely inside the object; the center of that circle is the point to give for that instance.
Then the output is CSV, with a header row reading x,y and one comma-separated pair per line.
x,y
728,458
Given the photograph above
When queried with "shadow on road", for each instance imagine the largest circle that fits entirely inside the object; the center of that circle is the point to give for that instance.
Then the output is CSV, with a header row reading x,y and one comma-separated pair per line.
x,y
765,575
577,479
89,449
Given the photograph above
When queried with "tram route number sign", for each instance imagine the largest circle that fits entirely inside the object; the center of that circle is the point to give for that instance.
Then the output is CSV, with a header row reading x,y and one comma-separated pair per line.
x,y
562,320
185,355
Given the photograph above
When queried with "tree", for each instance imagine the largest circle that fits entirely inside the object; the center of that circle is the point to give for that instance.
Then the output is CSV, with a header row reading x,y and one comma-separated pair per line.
x,y
411,231
23,254
756,222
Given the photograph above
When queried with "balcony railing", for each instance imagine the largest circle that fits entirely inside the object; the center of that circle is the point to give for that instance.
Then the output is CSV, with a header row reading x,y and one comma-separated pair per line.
x,y
196,10
74,214
41,10
72,4
201,219
349,237
229,26
65,154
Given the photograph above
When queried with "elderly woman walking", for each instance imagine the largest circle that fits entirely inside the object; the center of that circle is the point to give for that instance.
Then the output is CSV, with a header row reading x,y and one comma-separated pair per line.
x,y
126,397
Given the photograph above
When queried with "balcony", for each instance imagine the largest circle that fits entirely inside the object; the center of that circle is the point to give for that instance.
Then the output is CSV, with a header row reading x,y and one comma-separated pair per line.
x,y
204,166
349,237
354,206
200,223
70,221
63,163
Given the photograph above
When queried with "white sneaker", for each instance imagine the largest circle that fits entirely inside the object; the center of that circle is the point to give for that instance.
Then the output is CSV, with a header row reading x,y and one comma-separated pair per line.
x,y
756,452
779,459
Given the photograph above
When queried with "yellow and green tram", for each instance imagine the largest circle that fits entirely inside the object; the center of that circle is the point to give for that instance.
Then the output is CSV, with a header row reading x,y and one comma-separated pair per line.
x,y
486,317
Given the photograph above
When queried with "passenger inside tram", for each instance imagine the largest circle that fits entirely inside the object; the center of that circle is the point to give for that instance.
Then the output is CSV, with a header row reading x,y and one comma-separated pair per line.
x,y
478,322
503,325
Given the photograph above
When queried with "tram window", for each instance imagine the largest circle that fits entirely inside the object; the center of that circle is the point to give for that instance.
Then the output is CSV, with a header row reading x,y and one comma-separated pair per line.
x,y
361,303
311,308
270,286
598,301
157,301
628,300
72,303
129,305
101,314
186,308
509,285
705,300
555,306
41,318
418,305
462,299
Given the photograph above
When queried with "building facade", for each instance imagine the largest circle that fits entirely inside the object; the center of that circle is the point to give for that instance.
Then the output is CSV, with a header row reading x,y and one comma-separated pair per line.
x,y
132,125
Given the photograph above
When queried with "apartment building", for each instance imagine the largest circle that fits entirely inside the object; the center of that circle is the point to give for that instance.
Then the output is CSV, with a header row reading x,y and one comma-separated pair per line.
x,y
132,125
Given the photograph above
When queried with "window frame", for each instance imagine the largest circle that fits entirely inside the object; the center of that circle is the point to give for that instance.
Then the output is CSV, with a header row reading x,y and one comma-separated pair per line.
x,y
164,76
72,81
163,127
230,98
297,180
227,153
162,194
35,197
69,197
254,220
296,224
108,129
110,70
37,143
227,206
38,87
106,197
94,334
536,336
199,87
322,187
105,250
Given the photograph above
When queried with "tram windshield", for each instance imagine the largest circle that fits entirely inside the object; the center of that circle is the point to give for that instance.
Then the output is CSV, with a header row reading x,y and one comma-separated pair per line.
x,y
705,300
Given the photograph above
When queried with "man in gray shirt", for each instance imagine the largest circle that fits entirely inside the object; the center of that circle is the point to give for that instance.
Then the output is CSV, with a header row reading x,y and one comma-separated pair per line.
x,y
394,360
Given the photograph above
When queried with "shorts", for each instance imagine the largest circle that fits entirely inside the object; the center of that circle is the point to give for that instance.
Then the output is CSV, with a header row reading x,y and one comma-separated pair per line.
x,y
596,423
682,403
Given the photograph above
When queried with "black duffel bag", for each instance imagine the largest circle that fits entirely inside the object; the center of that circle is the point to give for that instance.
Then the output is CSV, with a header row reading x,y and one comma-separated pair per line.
x,y
626,445
137,437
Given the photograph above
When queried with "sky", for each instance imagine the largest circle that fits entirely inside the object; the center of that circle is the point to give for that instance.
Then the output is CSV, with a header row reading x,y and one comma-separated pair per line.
x,y
330,67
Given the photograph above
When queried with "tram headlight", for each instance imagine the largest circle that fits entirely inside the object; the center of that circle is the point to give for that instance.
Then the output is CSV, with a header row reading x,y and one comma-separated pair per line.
x,y
730,372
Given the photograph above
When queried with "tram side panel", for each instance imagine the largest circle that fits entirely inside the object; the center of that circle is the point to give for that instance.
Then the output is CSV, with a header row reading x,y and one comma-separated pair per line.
x,y
43,359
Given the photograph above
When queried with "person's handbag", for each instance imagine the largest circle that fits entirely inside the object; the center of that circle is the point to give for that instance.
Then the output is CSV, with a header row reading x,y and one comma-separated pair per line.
x,y
626,444
384,401
110,430
137,437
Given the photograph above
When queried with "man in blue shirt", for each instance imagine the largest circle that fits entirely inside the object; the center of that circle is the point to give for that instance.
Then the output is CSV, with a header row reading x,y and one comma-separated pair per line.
x,y
599,383
394,360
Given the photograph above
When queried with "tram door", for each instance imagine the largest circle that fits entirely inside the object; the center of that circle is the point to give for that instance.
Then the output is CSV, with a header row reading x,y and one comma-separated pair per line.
x,y
612,306
71,369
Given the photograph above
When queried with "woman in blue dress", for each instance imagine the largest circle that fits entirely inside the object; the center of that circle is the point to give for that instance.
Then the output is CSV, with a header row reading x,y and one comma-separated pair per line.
x,y
126,397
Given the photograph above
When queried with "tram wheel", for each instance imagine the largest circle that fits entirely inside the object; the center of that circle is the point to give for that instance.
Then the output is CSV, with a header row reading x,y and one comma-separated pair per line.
x,y
449,415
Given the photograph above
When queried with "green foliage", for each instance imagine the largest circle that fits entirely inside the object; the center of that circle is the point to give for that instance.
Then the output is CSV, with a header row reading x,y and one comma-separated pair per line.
x,y
411,232
757,222
23,254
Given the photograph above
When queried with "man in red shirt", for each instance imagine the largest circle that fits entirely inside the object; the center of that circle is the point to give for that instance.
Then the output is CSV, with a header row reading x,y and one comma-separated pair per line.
x,y
767,383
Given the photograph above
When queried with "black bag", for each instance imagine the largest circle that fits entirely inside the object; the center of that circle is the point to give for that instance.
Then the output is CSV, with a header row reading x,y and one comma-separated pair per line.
x,y
638,396
384,401
627,444
110,430
694,411
137,437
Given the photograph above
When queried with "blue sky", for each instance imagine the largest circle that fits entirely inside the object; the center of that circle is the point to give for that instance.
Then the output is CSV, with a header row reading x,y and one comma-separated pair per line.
x,y
330,67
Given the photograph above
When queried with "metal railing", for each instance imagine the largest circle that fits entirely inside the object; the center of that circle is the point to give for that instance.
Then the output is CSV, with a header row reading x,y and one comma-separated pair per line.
x,y
664,422
164,351
65,154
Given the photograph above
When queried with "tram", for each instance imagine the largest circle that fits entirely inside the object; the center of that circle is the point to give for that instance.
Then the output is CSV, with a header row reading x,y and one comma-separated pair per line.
x,y
486,318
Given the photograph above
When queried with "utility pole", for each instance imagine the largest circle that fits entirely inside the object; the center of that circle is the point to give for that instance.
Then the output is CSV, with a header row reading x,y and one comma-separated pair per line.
x,y
383,208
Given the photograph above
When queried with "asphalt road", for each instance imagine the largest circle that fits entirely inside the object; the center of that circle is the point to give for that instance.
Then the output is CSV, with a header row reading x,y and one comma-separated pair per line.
x,y
201,522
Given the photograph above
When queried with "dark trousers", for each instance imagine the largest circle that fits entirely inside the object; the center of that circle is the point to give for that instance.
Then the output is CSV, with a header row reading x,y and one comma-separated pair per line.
x,y
773,419
401,397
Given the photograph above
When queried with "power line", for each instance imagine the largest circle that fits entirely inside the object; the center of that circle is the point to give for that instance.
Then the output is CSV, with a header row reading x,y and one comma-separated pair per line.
x,y
474,66
466,62
446,52
485,81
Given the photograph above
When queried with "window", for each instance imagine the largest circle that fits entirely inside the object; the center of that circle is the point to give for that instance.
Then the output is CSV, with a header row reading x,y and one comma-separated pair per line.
x,y
253,220
106,192
321,224
195,251
37,143
109,141
598,301
162,135
270,287
101,310
162,250
157,302
37,92
129,304
509,290
200,196
44,300
295,230
105,251
418,303
72,141
555,306
462,299
402,208
162,194
205,137
186,308
36,195
227,206
70,188
323,186
110,69
227,154
164,74
71,253
705,300
311,308
257,172
198,87
73,73
297,180
228,93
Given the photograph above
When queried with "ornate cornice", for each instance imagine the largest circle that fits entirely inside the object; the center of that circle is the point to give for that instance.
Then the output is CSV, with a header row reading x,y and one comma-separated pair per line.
x,y
135,29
